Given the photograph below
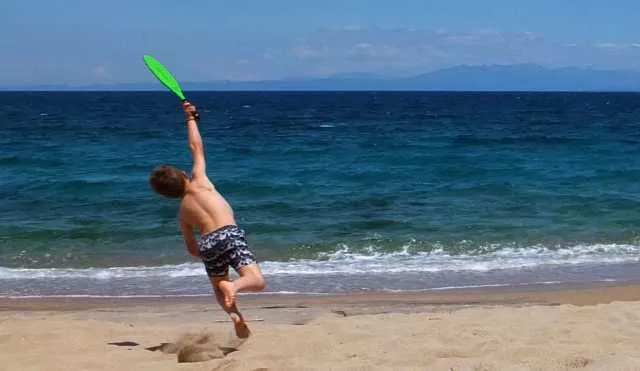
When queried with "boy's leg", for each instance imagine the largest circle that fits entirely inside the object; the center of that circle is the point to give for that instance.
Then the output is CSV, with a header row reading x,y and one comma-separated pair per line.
x,y
241,328
250,280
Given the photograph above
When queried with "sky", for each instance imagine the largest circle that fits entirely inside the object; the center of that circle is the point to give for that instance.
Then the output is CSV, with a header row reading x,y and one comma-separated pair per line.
x,y
84,42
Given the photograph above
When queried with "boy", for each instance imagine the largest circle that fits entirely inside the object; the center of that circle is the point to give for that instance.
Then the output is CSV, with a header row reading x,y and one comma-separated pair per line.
x,y
222,243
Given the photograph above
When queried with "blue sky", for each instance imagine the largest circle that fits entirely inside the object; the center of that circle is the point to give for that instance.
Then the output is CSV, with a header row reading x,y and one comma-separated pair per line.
x,y
83,42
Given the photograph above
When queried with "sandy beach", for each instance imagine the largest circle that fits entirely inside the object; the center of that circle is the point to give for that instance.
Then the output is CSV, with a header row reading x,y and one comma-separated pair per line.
x,y
590,328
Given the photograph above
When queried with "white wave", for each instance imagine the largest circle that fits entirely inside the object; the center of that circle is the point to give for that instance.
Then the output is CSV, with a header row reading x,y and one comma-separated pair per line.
x,y
171,271
493,285
73,296
142,296
345,261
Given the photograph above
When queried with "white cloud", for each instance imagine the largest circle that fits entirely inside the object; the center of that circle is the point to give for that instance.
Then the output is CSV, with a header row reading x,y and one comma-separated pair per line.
x,y
100,73
270,54
363,45
609,45
348,28
303,51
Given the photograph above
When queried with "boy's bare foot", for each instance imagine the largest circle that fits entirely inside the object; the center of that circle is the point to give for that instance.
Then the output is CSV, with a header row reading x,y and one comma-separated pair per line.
x,y
229,292
242,330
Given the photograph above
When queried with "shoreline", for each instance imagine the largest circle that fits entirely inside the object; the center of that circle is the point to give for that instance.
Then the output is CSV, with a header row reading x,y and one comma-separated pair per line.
x,y
188,281
572,294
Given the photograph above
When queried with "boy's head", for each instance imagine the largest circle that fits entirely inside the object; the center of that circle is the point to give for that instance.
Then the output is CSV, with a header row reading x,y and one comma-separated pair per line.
x,y
168,181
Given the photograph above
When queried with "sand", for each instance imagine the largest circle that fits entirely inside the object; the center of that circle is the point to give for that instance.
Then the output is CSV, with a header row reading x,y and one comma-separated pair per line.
x,y
595,328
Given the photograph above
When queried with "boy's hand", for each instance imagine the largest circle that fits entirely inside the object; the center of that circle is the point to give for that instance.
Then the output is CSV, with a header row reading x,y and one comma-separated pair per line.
x,y
190,112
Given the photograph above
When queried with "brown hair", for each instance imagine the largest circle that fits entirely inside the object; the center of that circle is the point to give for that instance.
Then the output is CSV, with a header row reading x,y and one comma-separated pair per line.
x,y
168,181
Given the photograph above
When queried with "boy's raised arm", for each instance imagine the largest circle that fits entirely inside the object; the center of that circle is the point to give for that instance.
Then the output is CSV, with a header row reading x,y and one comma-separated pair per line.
x,y
195,142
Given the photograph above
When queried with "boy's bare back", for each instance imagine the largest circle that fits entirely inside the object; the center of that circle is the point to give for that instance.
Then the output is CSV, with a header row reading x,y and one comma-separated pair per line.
x,y
204,208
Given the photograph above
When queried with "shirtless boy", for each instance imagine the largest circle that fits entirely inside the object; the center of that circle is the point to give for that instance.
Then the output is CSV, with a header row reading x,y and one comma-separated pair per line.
x,y
202,208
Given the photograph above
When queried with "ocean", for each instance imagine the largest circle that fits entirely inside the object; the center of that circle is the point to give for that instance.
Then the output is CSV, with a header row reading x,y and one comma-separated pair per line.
x,y
337,191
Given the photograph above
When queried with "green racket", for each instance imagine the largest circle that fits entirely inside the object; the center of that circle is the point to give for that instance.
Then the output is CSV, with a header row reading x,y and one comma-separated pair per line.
x,y
166,78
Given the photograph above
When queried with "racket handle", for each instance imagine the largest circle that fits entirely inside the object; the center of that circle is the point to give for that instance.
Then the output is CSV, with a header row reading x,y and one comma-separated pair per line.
x,y
196,115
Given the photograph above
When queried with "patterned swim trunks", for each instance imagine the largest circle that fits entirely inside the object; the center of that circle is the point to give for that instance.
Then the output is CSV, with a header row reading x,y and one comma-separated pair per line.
x,y
224,247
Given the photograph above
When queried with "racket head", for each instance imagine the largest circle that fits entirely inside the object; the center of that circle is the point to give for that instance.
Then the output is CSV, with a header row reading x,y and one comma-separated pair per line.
x,y
164,76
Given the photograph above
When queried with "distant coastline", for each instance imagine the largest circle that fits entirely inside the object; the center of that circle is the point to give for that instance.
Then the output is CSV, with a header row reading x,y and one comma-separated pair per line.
x,y
497,78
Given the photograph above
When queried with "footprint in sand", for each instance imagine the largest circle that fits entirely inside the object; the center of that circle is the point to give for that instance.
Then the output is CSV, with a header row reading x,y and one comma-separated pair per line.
x,y
198,347
199,353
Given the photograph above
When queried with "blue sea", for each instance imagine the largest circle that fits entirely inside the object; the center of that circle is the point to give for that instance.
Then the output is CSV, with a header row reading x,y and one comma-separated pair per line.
x,y
337,191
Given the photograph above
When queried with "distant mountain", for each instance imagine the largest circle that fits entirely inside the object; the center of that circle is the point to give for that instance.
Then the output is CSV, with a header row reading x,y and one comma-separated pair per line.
x,y
521,77
525,77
